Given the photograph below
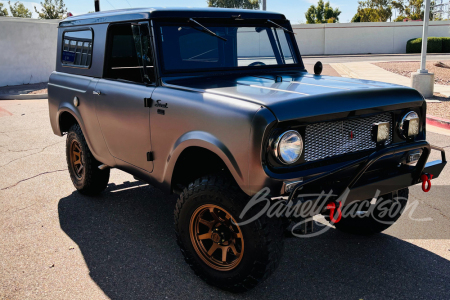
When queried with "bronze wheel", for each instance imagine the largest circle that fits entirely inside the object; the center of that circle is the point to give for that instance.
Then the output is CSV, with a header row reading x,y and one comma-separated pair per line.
x,y
83,167
216,238
213,245
76,159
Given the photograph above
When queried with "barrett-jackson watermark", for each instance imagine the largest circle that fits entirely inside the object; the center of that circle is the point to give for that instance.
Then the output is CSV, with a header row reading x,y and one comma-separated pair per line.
x,y
381,210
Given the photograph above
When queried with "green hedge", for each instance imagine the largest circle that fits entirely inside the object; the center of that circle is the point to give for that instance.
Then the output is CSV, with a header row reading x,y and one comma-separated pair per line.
x,y
413,45
434,45
446,45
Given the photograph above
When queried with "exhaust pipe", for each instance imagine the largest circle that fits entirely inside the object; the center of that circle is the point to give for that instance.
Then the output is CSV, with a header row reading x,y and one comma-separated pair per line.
x,y
97,5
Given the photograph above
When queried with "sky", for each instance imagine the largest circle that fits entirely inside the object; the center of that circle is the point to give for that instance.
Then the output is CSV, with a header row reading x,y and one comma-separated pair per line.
x,y
294,10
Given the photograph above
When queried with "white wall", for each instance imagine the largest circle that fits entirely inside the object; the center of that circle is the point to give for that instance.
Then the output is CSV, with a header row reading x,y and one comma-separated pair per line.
x,y
28,46
251,43
27,50
363,38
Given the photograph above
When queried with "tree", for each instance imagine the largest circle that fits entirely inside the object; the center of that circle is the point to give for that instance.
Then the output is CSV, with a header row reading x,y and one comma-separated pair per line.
x,y
247,4
356,18
373,11
412,9
323,13
52,9
19,10
3,11
382,10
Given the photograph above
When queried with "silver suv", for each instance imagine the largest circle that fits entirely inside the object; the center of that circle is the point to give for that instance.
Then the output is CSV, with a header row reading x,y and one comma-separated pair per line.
x,y
216,106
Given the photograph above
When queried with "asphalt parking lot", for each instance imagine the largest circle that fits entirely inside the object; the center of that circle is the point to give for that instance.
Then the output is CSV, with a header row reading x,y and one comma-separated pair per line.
x,y
58,244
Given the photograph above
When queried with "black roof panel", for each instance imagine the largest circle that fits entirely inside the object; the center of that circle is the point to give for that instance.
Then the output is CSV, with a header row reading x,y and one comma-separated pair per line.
x,y
166,12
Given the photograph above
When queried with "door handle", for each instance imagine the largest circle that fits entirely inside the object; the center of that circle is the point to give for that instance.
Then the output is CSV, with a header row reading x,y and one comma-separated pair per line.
x,y
98,93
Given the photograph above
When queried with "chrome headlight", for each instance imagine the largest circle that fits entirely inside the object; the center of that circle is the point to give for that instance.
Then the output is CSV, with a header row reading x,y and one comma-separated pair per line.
x,y
288,147
409,126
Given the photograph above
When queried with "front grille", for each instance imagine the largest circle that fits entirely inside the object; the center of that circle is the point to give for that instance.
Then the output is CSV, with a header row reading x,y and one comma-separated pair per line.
x,y
330,139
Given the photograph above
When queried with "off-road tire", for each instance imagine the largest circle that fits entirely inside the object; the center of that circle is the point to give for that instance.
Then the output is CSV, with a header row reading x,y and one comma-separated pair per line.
x,y
370,223
91,180
263,238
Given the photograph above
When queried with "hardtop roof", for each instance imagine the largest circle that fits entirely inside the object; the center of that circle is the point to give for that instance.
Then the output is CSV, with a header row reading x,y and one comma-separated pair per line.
x,y
167,12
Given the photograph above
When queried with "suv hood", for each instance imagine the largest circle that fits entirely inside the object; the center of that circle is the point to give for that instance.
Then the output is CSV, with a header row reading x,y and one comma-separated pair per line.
x,y
298,95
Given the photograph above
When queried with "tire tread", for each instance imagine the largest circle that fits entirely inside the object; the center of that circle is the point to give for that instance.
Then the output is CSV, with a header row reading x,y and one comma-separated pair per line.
x,y
268,231
95,180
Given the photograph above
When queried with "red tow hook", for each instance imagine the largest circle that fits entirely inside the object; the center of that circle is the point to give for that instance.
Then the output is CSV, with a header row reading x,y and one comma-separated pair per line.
x,y
332,207
426,180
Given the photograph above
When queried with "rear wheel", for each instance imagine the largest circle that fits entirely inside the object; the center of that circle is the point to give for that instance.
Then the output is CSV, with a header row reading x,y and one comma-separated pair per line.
x,y
220,251
365,218
83,167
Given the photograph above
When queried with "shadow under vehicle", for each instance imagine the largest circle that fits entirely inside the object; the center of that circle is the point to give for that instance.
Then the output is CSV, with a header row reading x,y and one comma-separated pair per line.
x,y
126,238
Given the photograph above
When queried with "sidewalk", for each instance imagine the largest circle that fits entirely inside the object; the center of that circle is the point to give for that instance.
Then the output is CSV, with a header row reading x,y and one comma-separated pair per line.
x,y
367,70
437,129
24,92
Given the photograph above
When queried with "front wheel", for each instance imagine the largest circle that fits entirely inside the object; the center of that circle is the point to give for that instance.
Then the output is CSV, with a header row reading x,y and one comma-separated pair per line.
x,y
367,218
83,167
222,252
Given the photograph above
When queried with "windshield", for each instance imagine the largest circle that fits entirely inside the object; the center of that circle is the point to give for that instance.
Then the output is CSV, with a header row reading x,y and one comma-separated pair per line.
x,y
191,47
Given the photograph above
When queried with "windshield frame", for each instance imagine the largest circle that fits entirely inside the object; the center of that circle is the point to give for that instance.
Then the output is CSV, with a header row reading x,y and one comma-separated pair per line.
x,y
217,22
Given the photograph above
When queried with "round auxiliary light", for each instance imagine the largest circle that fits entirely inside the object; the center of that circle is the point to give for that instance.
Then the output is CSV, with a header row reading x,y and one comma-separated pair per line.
x,y
288,147
412,115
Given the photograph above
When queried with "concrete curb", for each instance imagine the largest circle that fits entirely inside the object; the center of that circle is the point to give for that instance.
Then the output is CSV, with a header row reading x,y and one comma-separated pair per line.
x,y
438,122
23,97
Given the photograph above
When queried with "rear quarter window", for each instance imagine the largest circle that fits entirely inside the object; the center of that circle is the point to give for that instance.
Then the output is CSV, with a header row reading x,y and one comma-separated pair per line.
x,y
77,48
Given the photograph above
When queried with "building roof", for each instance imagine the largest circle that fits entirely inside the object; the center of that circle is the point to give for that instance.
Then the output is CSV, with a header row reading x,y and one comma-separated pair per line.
x,y
166,12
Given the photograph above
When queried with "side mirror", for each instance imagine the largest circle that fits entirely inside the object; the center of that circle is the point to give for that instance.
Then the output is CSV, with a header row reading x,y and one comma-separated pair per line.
x,y
318,67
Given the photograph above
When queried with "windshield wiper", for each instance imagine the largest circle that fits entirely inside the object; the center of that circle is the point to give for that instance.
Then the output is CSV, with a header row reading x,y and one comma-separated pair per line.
x,y
207,30
281,27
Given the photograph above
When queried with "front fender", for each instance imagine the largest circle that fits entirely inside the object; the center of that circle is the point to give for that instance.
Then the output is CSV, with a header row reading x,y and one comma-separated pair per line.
x,y
207,141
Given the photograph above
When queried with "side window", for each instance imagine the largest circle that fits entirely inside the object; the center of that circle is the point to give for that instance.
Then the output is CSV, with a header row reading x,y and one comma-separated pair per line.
x,y
128,54
77,48
254,47
285,49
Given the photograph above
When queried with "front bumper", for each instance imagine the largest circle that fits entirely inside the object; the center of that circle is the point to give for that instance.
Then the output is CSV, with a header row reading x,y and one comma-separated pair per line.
x,y
385,185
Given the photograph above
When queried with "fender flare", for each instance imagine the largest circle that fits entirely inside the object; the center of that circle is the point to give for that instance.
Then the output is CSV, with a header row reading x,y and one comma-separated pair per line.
x,y
68,108
207,141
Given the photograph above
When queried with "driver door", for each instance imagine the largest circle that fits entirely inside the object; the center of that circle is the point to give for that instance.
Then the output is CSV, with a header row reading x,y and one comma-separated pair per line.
x,y
121,95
